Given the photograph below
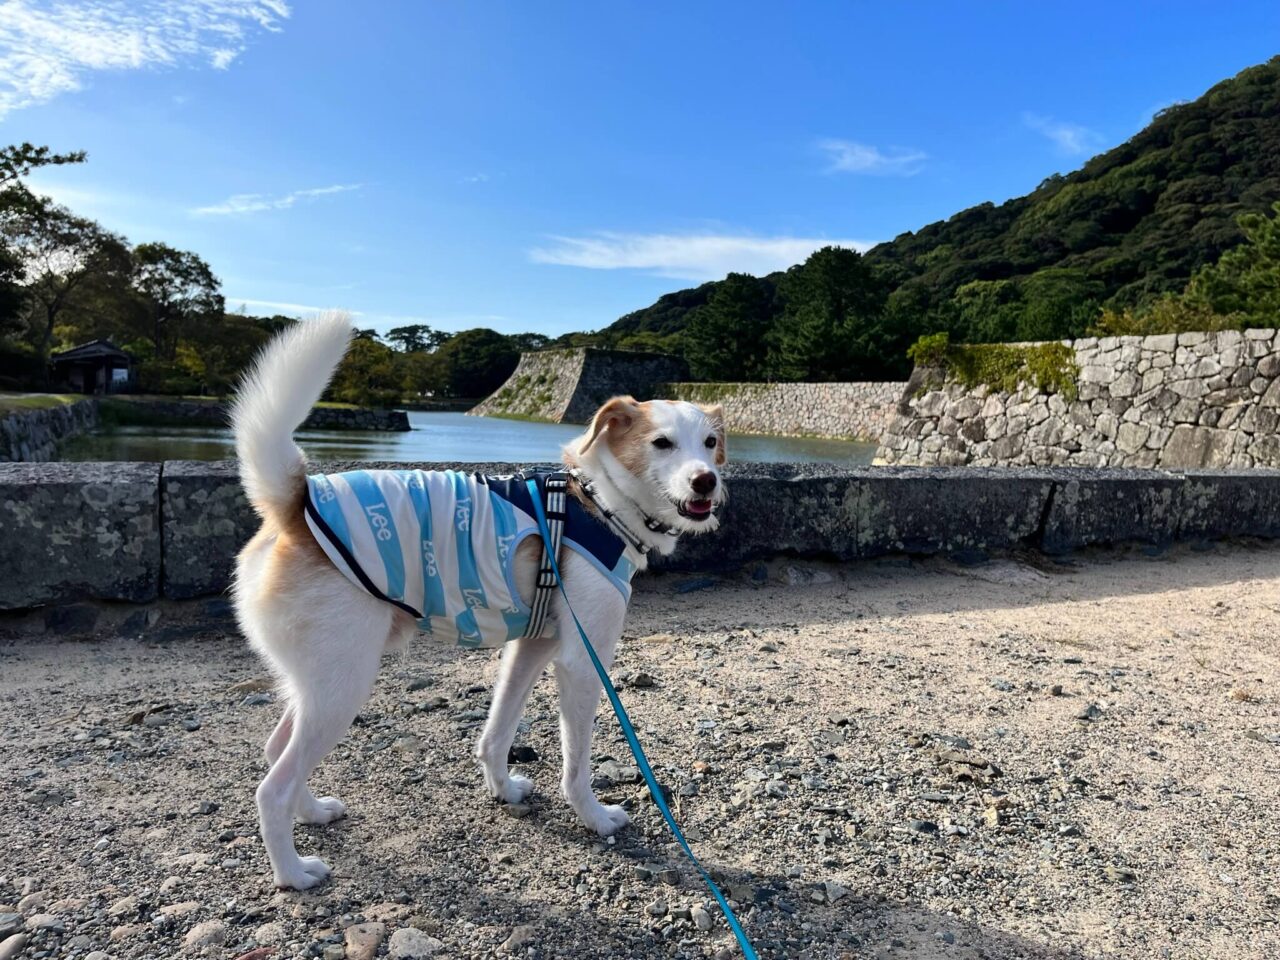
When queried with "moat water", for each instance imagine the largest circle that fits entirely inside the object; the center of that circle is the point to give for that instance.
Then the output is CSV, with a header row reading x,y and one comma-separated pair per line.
x,y
434,436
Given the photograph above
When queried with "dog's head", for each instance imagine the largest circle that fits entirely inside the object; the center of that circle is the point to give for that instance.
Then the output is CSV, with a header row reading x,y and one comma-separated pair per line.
x,y
663,455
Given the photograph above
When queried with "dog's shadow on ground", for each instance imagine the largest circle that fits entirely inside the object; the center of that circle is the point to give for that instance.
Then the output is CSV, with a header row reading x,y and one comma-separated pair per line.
x,y
784,917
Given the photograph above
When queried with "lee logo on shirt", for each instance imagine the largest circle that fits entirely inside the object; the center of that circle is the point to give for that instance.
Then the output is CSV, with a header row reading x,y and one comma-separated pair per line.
x,y
429,558
462,516
474,598
378,520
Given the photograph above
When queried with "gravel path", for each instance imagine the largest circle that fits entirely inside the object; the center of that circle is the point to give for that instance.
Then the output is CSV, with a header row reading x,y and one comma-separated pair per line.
x,y
890,760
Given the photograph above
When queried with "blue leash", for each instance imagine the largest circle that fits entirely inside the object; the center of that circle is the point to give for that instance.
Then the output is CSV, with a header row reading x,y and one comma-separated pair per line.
x,y
632,741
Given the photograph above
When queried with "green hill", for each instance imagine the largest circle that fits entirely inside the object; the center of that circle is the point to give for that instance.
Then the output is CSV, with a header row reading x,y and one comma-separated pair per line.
x,y
1131,224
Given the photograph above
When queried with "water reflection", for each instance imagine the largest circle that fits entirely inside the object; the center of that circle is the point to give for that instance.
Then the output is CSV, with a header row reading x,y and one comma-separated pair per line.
x,y
435,436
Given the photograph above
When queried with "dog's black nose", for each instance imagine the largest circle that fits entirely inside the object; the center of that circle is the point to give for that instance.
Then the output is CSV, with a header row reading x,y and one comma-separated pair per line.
x,y
703,483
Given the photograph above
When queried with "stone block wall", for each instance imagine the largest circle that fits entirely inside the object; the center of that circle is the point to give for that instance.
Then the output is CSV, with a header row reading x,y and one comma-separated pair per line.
x,y
567,386
32,436
846,411
1174,401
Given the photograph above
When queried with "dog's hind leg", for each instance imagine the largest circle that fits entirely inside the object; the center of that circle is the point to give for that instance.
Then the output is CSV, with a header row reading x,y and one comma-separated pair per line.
x,y
328,685
521,665
310,808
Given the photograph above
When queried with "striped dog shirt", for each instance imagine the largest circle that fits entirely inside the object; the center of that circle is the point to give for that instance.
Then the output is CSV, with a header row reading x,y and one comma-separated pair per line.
x,y
441,545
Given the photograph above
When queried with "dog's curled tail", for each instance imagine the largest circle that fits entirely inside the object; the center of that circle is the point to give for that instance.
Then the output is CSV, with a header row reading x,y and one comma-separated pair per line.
x,y
277,394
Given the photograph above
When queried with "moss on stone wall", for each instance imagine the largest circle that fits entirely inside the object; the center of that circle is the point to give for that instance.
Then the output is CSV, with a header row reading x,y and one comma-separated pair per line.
x,y
1048,367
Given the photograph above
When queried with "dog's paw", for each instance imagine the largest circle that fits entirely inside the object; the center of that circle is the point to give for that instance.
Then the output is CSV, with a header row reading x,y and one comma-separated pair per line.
x,y
303,874
604,820
514,790
322,810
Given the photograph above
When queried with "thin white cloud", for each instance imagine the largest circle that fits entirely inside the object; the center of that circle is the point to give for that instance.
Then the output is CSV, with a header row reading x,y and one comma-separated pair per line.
x,y
684,256
1070,138
221,59
475,178
848,156
242,203
277,305
49,47
83,200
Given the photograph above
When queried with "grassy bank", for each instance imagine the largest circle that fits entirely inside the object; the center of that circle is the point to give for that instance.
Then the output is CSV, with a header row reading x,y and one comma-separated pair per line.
x,y
21,402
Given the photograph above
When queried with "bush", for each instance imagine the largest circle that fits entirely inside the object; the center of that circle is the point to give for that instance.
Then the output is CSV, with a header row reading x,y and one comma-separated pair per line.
x,y
1169,314
1048,367
20,366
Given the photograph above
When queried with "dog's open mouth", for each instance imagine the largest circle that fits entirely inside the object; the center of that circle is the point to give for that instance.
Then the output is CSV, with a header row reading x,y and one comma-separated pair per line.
x,y
695,509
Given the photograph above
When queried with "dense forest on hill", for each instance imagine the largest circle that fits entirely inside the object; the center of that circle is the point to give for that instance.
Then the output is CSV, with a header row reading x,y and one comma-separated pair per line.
x,y
1132,225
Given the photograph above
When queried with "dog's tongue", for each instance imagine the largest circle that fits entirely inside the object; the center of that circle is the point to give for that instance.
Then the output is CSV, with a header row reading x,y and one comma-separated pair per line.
x,y
698,506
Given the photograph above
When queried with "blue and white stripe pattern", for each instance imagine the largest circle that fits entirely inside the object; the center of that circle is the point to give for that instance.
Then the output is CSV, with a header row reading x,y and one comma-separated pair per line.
x,y
440,545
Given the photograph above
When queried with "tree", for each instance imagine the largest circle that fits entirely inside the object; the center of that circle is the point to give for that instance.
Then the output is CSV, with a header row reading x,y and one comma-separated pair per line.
x,y
220,351
61,254
15,163
416,338
529,342
424,374
479,361
727,338
646,341
1057,303
1245,280
834,303
19,160
179,293
368,375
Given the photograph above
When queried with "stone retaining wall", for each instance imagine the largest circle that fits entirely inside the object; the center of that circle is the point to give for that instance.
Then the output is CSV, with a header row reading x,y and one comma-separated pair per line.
x,y
1174,401
567,386
32,436
846,411
139,532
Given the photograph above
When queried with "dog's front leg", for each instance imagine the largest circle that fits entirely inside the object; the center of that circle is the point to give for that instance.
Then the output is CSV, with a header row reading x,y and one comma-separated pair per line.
x,y
579,700
521,665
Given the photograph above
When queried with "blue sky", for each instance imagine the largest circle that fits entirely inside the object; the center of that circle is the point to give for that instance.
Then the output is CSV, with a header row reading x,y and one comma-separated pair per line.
x,y
550,166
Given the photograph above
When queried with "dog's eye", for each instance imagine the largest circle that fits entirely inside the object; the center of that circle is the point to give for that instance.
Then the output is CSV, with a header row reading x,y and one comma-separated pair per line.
x,y
711,443
662,443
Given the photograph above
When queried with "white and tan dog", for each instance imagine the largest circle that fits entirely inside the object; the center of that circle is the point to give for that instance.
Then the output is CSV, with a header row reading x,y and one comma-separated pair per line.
x,y
653,465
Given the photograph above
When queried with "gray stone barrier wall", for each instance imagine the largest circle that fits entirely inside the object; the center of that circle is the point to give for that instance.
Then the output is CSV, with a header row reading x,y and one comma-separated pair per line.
x,y
844,411
140,532
1173,401
79,531
32,436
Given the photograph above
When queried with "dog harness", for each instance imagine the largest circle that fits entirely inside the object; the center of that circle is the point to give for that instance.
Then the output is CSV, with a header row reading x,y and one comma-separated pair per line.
x,y
441,545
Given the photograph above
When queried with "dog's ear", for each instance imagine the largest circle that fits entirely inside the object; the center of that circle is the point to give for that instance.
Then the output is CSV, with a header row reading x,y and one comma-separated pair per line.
x,y
715,414
617,416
